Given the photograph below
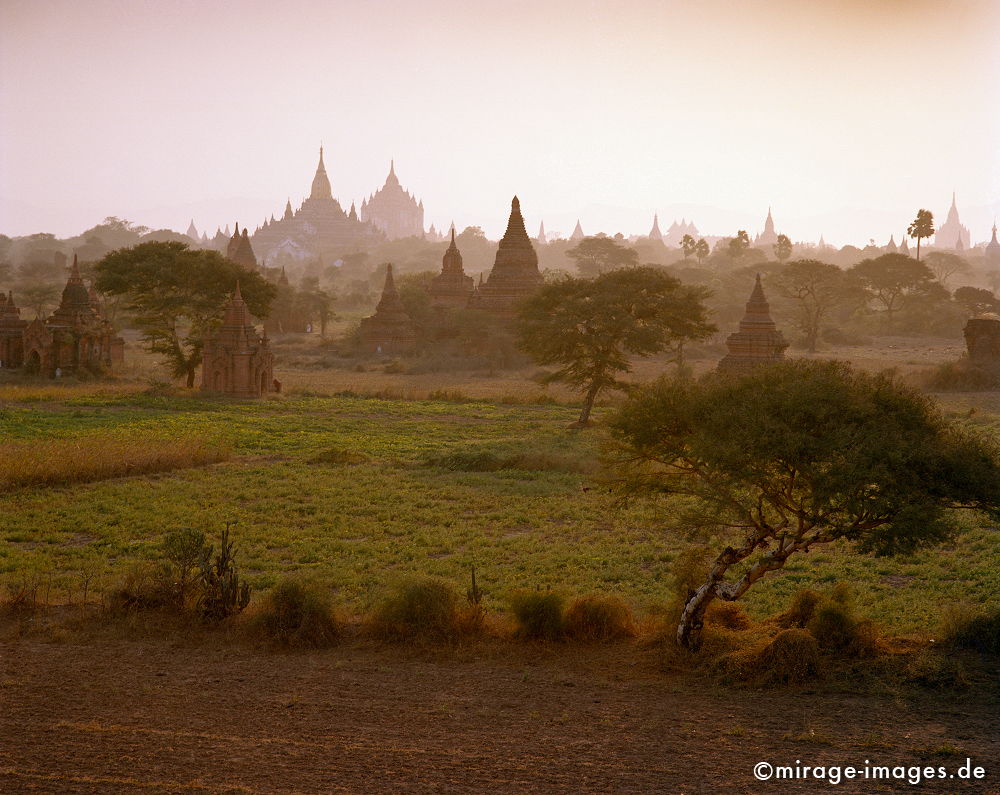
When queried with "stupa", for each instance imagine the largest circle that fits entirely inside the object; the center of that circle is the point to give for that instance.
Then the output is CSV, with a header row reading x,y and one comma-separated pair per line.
x,y
452,287
390,330
758,342
515,273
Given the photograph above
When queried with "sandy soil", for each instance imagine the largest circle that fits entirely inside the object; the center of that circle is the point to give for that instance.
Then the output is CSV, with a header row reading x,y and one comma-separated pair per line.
x,y
122,717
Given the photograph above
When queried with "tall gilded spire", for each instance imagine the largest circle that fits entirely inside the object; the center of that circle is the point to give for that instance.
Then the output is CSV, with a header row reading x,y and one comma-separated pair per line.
x,y
321,183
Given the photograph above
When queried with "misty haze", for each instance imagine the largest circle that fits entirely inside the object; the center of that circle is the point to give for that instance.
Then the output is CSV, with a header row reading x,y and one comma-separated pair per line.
x,y
544,397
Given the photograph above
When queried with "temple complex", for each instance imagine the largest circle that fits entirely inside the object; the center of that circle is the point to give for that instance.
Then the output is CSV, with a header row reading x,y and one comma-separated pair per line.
x,y
235,360
952,234
758,340
393,211
676,232
390,330
768,237
74,337
992,252
452,287
318,229
515,273
11,332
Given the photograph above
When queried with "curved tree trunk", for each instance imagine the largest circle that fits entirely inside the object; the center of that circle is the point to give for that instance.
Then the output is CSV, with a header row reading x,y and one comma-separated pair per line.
x,y
190,377
588,404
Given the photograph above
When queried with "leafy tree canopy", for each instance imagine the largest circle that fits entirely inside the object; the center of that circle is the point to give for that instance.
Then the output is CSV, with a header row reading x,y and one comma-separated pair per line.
x,y
596,255
798,455
892,279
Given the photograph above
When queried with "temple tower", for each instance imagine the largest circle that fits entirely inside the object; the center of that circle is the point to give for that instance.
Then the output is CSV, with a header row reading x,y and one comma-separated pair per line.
x,y
768,237
11,332
392,210
655,233
577,232
758,340
993,250
515,274
236,360
240,251
952,234
452,287
390,330
541,234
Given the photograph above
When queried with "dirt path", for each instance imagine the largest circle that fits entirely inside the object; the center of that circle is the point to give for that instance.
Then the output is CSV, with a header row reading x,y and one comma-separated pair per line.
x,y
123,717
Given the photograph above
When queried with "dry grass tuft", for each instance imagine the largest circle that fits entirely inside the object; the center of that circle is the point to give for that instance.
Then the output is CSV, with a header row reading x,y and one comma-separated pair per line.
x,y
598,618
53,462
424,609
538,614
791,658
297,614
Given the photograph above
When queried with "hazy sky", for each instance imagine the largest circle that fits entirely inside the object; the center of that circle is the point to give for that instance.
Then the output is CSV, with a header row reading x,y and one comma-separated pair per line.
x,y
844,116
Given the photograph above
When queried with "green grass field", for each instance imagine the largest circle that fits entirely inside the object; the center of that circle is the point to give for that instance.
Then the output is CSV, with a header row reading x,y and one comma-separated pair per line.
x,y
341,488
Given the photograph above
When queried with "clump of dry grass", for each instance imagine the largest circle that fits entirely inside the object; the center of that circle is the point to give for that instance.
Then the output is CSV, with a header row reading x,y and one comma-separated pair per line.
x,y
52,462
791,657
598,618
425,609
538,614
297,614
49,392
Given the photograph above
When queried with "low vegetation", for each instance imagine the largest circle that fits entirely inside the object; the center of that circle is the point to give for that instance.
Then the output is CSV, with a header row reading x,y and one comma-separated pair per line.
x,y
101,456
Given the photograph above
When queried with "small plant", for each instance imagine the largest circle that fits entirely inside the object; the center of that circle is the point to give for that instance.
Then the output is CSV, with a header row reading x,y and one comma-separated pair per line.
x,y
298,613
935,670
186,554
728,615
539,615
223,593
144,586
474,594
426,608
598,618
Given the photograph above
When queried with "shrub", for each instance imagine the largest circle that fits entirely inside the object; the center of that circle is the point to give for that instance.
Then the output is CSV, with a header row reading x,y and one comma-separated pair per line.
x,y
298,613
935,670
186,552
144,586
598,618
980,632
962,376
833,625
538,614
22,596
426,608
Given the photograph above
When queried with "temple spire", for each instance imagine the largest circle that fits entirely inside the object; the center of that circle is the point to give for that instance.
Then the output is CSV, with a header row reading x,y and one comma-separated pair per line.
x,y
321,183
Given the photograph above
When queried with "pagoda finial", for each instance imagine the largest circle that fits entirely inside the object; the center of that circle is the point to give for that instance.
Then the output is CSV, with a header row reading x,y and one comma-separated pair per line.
x,y
515,205
453,233
237,295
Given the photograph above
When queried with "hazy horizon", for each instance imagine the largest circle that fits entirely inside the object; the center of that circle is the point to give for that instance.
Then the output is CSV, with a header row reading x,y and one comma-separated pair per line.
x,y
844,117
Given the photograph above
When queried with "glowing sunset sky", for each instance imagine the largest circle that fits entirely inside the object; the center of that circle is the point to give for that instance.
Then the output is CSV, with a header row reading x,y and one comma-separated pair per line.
x,y
845,117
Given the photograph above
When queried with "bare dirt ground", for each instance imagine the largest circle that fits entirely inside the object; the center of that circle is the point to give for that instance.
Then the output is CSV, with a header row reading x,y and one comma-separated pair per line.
x,y
125,716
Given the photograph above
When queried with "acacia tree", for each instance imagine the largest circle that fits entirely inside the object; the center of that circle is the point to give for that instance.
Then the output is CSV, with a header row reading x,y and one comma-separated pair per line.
x,y
596,255
893,279
701,250
944,265
816,288
591,327
783,248
178,295
976,300
688,245
798,455
922,226
738,245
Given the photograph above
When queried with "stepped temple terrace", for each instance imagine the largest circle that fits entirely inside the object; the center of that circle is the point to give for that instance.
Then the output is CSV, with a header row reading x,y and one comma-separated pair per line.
x,y
515,273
